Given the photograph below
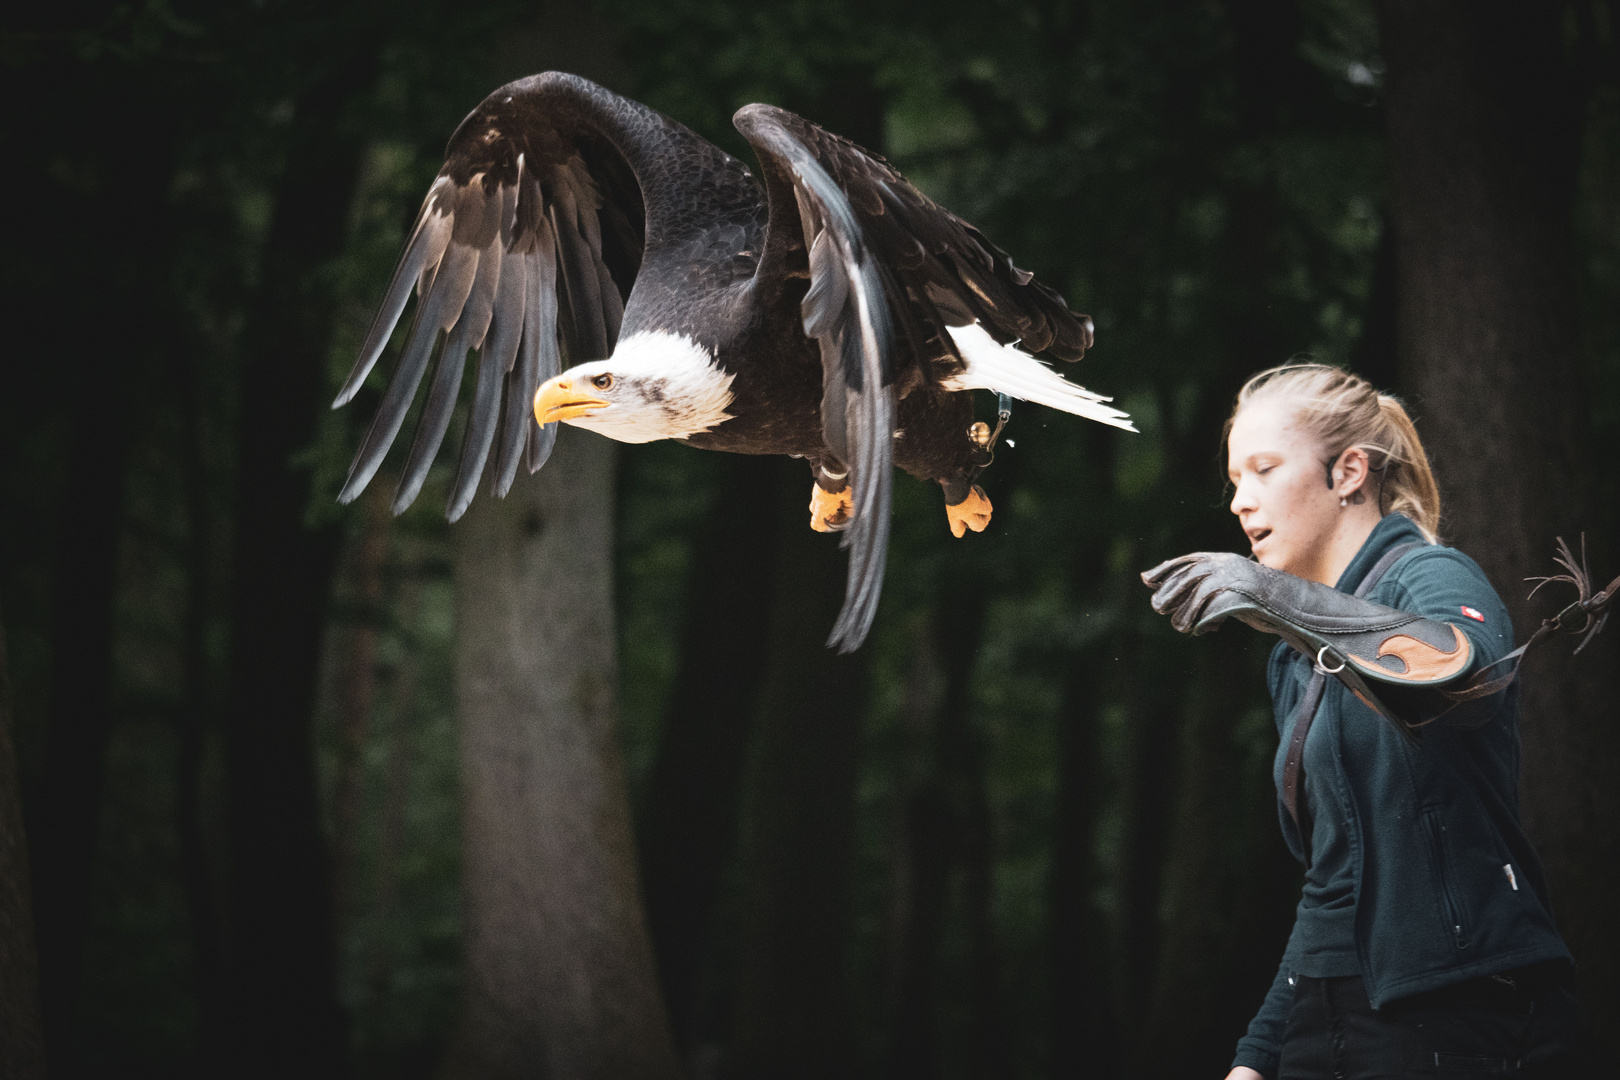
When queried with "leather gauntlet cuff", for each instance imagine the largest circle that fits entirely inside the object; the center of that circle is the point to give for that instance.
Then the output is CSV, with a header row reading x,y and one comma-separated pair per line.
x,y
1362,644
1377,642
1377,646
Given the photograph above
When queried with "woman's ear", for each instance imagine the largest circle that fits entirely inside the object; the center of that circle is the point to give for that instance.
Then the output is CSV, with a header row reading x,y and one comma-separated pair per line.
x,y
1351,472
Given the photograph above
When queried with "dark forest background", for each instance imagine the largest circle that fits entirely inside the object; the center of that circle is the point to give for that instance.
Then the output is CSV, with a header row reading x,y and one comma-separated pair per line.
x,y
571,788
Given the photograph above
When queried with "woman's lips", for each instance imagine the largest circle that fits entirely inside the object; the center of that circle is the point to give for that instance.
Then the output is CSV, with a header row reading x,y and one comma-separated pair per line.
x,y
1258,537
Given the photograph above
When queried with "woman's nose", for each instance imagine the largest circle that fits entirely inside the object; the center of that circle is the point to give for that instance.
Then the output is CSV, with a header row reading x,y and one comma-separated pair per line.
x,y
1242,498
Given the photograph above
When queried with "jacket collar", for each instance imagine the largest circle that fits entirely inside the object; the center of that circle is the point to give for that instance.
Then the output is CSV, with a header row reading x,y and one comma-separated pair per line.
x,y
1391,531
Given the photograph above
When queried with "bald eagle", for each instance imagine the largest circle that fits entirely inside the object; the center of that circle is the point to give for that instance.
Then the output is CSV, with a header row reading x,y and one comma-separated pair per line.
x,y
615,271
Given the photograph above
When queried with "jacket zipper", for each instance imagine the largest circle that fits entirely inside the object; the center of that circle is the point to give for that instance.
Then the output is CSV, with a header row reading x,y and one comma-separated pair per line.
x,y
1435,830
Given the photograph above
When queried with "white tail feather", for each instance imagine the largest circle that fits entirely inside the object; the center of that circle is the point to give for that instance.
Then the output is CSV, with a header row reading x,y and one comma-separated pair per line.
x,y
1009,370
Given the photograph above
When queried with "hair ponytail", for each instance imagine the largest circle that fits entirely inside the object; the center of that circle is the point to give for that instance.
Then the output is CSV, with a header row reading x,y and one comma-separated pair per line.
x,y
1409,486
1340,411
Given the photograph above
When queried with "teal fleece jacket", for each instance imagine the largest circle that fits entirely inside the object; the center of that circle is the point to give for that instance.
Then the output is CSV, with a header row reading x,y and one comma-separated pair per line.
x,y
1446,885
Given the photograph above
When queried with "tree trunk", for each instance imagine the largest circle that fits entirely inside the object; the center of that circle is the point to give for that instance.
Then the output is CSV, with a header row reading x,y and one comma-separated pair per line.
x,y
22,1041
1223,903
380,904
947,833
106,365
792,987
391,831
963,754
558,970
920,871
688,828
357,688
1484,126
285,1019
1084,1039
81,707
1147,785
192,720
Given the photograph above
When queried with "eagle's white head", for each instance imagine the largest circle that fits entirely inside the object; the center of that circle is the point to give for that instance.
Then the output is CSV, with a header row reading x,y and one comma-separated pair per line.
x,y
654,386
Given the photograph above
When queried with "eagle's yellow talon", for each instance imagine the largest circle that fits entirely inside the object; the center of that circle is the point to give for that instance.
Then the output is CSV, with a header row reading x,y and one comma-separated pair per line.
x,y
830,511
972,512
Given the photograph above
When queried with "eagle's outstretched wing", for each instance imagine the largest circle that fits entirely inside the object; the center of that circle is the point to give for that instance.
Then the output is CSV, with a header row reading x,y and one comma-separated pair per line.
x,y
848,314
525,250
889,270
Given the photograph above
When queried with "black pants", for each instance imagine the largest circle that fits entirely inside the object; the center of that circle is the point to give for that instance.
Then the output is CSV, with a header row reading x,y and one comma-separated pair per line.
x,y
1523,1025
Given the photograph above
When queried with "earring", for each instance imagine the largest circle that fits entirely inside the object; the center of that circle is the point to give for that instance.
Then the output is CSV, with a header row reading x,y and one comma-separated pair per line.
x,y
1345,501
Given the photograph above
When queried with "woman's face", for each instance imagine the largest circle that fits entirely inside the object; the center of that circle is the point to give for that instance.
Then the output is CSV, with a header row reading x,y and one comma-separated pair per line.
x,y
1283,500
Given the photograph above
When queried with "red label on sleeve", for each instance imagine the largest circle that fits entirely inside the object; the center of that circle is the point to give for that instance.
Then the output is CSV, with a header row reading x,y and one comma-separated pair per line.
x,y
1473,613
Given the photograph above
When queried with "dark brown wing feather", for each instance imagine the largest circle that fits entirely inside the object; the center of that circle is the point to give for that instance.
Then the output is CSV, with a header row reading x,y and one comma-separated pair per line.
x,y
942,269
511,257
889,271
848,313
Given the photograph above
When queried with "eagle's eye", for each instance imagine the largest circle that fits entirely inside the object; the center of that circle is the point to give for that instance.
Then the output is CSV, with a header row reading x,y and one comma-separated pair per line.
x,y
603,381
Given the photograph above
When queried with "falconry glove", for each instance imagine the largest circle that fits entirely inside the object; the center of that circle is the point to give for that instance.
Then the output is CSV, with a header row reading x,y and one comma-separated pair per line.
x,y
1368,647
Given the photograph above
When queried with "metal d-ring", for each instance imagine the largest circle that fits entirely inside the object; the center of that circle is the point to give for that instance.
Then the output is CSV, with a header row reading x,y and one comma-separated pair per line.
x,y
1323,668
981,435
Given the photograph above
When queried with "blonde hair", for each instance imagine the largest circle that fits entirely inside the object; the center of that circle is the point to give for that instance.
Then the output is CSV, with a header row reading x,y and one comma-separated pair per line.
x,y
1341,411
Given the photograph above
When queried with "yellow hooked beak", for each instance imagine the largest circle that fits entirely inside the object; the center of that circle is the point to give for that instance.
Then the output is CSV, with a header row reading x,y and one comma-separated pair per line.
x,y
558,399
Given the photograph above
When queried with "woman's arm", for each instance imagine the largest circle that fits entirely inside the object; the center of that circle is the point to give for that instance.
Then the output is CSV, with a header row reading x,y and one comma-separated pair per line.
x,y
1350,637
1261,1046
1445,585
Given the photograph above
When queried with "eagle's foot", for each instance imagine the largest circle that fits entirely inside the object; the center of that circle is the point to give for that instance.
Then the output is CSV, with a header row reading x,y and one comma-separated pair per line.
x,y
972,512
831,511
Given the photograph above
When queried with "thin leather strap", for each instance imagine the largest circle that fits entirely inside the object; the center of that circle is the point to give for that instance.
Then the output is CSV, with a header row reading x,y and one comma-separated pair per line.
x,y
1294,763
1296,749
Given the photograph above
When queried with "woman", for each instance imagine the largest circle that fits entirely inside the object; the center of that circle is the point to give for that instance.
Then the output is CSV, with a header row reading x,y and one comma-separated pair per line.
x,y
1423,943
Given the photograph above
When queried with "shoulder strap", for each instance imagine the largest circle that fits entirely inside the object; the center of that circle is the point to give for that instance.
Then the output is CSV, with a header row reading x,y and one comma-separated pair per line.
x,y
1306,713
1381,567
1296,749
